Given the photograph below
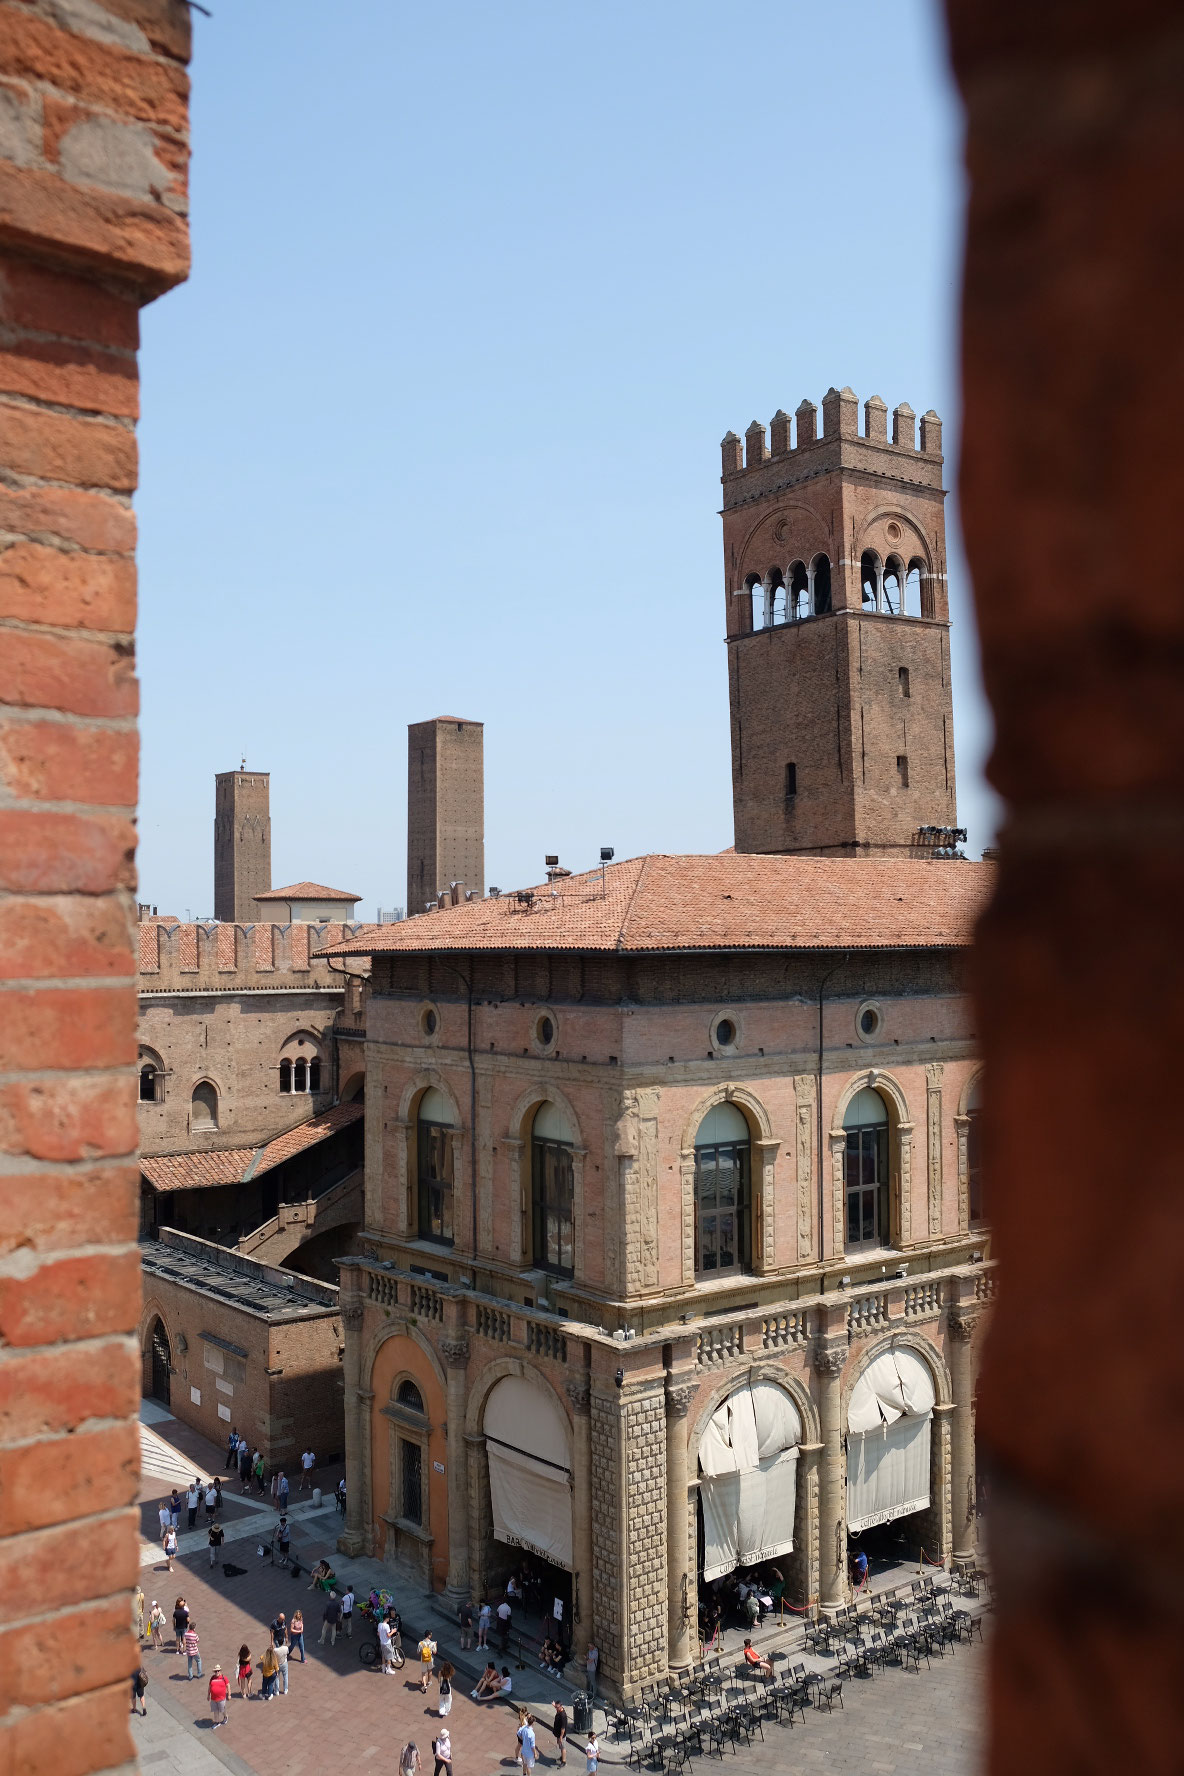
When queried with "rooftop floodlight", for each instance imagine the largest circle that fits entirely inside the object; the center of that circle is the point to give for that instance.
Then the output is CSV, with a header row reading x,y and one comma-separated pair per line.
x,y
551,862
606,854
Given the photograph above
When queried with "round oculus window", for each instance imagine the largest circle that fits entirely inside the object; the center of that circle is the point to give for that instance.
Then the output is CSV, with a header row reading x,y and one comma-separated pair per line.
x,y
869,1021
545,1031
429,1022
725,1033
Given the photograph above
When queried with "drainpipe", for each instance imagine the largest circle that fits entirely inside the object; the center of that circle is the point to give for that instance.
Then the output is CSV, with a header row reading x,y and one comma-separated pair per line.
x,y
821,987
468,985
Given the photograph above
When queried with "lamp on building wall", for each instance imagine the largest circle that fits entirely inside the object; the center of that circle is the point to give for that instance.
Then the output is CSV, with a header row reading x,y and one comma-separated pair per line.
x,y
619,1378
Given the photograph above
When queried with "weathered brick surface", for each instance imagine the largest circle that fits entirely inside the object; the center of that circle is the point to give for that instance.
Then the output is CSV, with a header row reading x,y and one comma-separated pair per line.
x,y
92,204
1071,457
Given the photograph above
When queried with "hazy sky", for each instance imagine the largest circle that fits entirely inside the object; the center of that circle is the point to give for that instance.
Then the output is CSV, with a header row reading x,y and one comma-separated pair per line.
x,y
434,426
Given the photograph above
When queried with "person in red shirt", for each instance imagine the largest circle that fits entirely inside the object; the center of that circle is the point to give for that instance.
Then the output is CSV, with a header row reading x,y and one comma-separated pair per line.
x,y
219,1691
753,1659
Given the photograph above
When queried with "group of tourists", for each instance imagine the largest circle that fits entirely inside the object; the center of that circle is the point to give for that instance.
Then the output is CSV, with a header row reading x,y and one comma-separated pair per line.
x,y
740,1599
285,1638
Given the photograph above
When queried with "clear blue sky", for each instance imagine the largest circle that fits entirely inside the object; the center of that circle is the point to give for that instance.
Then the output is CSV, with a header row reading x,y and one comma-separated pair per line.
x,y
434,426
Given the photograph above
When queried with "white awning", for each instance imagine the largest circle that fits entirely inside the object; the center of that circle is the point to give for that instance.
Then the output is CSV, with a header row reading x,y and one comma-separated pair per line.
x,y
529,1451
748,1462
888,1445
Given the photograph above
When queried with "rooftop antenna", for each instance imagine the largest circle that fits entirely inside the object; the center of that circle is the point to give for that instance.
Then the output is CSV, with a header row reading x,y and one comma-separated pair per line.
x,y
243,766
606,856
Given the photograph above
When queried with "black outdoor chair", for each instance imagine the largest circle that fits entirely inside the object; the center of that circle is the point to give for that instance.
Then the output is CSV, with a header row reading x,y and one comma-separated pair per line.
x,y
831,1692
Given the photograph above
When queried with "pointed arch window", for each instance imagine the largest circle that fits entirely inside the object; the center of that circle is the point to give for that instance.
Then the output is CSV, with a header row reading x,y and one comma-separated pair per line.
x,y
552,1191
723,1193
866,1168
435,1143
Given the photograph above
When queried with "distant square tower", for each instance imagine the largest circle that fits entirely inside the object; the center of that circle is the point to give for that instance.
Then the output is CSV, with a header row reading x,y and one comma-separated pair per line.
x,y
838,633
445,808
242,843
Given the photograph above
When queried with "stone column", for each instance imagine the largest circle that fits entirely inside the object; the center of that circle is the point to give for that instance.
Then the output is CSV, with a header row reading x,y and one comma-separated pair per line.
x,y
579,1393
829,1359
681,1644
456,1354
477,1475
352,1541
964,1528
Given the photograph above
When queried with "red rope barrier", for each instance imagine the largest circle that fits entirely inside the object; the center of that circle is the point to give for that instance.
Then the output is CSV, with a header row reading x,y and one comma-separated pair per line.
x,y
799,1609
940,1563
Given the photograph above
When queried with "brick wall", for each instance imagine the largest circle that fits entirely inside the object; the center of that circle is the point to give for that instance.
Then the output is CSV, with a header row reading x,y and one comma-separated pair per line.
x,y
1070,478
93,155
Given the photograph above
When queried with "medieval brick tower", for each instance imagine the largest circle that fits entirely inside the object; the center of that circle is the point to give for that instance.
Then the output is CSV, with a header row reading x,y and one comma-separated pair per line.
x,y
445,808
242,843
838,633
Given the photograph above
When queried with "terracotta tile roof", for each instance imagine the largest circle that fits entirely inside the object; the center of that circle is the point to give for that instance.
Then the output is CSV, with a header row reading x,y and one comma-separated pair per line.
x,y
307,891
305,1134
197,1171
234,1165
724,901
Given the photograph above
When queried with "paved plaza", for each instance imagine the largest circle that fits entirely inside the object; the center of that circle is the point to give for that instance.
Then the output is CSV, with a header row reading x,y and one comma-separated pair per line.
x,y
338,1712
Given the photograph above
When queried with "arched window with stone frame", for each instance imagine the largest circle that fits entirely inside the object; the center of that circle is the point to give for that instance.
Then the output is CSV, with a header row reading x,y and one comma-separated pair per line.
x,y
723,1193
552,1191
151,1077
435,1166
867,1173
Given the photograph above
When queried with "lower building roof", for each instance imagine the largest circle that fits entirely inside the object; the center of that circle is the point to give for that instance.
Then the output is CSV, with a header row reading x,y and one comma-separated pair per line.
x,y
235,1165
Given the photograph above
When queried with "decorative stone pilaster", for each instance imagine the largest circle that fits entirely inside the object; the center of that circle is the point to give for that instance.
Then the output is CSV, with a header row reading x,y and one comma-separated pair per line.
x,y
686,1175
629,1524
579,1393
838,1192
397,1144
933,1078
805,1090
681,1605
829,1360
962,1131
904,1176
963,1483
455,1351
479,1513
364,1521
802,1565
764,1251
514,1147
352,1315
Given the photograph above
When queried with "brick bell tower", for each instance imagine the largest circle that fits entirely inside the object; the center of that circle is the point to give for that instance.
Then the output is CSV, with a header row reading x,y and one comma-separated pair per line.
x,y
242,843
838,633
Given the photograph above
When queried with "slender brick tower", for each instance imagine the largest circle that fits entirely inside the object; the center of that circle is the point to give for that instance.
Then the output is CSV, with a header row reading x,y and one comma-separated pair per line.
x,y
242,843
838,633
445,808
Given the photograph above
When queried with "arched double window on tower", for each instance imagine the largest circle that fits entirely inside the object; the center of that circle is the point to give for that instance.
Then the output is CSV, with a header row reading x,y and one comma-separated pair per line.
x,y
870,579
723,1193
435,1149
893,586
820,585
799,591
552,1191
300,1066
866,1167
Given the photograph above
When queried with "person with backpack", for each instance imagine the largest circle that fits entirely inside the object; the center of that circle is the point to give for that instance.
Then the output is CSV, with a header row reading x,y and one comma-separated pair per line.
x,y
427,1659
526,1741
218,1691
447,1673
139,1685
442,1751
409,1759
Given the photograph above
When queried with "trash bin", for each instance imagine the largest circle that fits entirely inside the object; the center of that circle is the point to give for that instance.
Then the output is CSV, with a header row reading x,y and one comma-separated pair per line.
x,y
316,1497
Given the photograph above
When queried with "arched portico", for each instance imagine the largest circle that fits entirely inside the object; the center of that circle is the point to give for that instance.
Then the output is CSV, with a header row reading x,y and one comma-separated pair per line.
x,y
897,1403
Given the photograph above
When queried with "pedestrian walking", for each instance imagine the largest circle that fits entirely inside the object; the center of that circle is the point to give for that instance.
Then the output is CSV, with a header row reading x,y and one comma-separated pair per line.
x,y
484,1618
465,1617
279,1640
591,1667
442,1752
592,1753
139,1685
244,1672
216,1538
427,1659
218,1690
232,1448
526,1741
505,1616
269,1670
409,1759
308,1462
213,1500
191,1500
385,1649
157,1623
192,1650
259,1485
447,1673
296,1633
175,1508
331,1620
339,1496
283,1540
170,1546
560,1729
166,1518
180,1623
244,1465
347,1610
138,1608
282,1492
